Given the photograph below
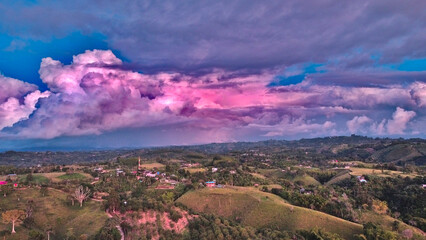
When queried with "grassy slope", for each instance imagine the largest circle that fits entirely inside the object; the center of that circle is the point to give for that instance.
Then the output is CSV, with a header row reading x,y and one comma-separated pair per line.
x,y
194,170
386,222
53,209
259,209
307,180
45,177
153,165
37,179
377,172
399,152
345,174
72,176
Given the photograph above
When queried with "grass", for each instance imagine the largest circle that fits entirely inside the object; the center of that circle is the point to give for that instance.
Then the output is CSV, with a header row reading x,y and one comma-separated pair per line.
x,y
153,165
42,178
271,173
378,172
306,180
338,178
72,176
257,175
270,186
195,170
37,179
250,205
54,210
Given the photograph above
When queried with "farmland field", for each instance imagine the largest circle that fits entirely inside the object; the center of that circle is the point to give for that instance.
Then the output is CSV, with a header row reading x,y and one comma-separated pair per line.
x,y
153,165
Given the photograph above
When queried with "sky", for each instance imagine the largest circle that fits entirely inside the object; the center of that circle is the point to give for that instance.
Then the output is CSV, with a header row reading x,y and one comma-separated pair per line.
x,y
114,74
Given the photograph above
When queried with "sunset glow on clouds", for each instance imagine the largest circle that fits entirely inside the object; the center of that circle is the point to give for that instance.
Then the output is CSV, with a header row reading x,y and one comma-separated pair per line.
x,y
94,95
175,73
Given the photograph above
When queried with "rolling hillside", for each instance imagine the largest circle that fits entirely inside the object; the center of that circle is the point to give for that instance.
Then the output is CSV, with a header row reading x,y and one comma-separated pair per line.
x,y
54,210
249,205
403,152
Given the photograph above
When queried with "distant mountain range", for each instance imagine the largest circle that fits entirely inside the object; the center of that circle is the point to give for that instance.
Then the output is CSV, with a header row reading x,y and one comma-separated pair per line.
x,y
360,148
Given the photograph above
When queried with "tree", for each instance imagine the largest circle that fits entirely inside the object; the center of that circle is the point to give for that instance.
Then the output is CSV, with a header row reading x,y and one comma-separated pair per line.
x,y
48,230
71,197
30,177
373,232
109,231
380,207
4,233
81,194
113,201
13,216
6,189
35,235
44,190
168,197
318,233
29,209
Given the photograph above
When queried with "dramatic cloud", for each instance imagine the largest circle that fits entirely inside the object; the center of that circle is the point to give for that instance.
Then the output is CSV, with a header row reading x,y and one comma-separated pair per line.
x,y
96,95
358,123
399,121
418,93
394,126
191,35
17,101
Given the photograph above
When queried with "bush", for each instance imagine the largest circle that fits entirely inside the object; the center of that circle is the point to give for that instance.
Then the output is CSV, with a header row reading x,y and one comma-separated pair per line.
x,y
35,235
175,215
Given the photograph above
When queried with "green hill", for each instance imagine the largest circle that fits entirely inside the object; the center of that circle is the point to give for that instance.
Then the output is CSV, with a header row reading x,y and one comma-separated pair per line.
x,y
54,210
259,209
404,152
306,180
345,174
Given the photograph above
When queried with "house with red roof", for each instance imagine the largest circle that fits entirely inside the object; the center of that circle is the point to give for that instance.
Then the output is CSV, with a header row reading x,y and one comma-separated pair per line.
x,y
211,184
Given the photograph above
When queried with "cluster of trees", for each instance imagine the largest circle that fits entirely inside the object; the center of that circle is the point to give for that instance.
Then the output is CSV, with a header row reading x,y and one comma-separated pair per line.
x,y
374,232
211,227
339,205
405,198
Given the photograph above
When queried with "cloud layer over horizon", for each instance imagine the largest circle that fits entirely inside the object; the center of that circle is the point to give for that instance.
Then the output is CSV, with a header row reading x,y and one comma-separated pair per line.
x,y
94,95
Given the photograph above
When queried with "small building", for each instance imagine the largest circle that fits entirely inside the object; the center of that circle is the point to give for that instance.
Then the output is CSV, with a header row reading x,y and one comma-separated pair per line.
x,y
361,179
120,172
152,175
211,184
214,169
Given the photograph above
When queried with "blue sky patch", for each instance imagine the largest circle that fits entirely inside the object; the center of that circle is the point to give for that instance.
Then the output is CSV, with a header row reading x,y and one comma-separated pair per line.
x,y
21,58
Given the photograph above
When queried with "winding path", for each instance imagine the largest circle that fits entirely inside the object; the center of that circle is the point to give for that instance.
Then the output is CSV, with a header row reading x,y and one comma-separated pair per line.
x,y
117,226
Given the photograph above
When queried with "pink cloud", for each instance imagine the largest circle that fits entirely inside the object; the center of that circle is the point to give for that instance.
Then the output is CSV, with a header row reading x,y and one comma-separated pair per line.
x,y
357,124
399,121
395,126
17,101
95,94
418,93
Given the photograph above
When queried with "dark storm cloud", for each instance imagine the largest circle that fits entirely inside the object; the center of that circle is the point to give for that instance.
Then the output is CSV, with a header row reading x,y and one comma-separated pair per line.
x,y
191,35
